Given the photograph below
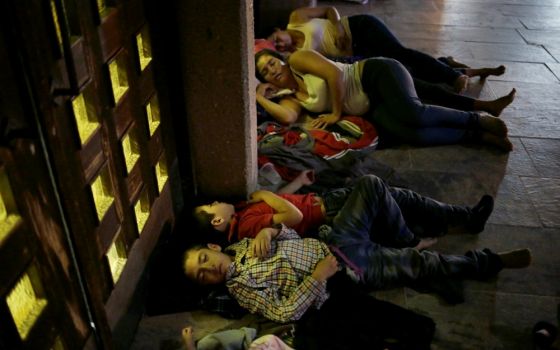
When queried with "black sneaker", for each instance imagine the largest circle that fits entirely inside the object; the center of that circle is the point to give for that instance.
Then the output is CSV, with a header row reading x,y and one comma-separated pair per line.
x,y
480,214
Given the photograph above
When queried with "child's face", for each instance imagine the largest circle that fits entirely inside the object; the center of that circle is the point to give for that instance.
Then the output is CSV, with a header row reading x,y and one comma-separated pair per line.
x,y
207,265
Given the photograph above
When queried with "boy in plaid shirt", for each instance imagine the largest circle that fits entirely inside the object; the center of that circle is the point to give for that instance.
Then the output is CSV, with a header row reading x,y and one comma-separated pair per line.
x,y
291,279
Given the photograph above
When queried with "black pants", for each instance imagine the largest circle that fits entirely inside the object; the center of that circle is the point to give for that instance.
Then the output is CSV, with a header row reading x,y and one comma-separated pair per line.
x,y
372,38
351,319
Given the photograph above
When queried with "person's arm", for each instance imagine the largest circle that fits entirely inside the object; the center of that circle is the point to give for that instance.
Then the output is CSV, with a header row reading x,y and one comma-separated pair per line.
x,y
286,111
330,13
281,308
311,62
305,178
304,14
285,212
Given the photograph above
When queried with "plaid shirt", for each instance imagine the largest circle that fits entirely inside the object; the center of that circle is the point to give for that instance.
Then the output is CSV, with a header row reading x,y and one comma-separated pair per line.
x,y
279,287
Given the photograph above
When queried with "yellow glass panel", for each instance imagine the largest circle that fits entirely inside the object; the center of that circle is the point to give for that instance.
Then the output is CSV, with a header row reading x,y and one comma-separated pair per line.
x,y
161,173
26,301
131,150
152,110
102,7
57,345
144,47
86,118
9,216
56,25
142,210
119,79
117,258
102,193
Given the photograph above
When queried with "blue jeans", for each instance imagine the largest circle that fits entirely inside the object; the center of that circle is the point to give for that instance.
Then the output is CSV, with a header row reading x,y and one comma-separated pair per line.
x,y
400,116
369,227
424,216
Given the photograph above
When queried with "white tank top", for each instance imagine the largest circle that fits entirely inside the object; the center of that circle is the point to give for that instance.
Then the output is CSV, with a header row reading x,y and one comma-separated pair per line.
x,y
355,101
320,34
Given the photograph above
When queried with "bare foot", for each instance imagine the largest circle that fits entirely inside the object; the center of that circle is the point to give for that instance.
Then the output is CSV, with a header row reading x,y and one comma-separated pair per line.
x,y
461,83
492,124
483,73
496,106
502,143
188,339
426,243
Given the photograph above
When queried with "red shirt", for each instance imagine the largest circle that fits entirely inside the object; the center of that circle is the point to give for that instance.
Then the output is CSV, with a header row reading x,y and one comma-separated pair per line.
x,y
252,218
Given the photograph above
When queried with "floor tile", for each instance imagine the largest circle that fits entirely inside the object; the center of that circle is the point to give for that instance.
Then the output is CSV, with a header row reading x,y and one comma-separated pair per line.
x,y
532,122
545,196
513,206
474,34
545,155
530,96
555,68
549,38
540,23
478,19
519,161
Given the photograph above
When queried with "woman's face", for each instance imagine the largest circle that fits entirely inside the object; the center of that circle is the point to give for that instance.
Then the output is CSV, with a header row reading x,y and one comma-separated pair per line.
x,y
282,40
273,70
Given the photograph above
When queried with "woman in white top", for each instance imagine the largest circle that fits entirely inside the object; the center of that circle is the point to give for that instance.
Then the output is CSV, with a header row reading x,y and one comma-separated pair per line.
x,y
323,29
380,86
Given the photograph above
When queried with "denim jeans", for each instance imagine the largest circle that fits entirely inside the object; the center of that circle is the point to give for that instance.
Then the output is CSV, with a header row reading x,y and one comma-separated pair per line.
x,y
400,115
369,227
424,216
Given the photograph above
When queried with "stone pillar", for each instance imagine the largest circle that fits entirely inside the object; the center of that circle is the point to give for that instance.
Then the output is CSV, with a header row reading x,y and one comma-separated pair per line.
x,y
216,45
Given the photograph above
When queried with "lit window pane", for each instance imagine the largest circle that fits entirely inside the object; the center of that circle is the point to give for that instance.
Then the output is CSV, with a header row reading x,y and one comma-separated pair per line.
x,y
102,193
9,216
56,25
102,7
152,110
26,301
117,257
86,117
119,78
142,210
144,47
131,150
161,172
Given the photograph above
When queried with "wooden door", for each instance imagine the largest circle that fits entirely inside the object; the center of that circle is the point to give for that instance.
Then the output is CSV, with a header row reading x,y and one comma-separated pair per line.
x,y
101,128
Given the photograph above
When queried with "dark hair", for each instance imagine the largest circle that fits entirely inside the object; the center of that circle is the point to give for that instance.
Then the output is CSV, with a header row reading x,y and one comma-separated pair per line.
x,y
203,220
269,52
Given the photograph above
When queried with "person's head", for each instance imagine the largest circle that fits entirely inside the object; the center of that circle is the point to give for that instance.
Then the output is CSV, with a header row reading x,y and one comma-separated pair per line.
x,y
282,40
214,216
271,66
206,264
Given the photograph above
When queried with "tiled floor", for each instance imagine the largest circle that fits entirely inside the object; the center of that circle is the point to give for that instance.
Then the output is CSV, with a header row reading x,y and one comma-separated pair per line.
x,y
525,36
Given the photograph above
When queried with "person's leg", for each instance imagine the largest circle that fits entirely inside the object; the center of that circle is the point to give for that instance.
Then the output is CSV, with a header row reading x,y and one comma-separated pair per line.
x,y
431,93
371,214
387,267
372,38
397,110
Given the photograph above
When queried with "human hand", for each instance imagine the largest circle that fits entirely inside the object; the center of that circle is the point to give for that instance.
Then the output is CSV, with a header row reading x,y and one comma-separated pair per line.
x,y
306,177
341,40
188,338
267,90
258,196
325,268
426,243
260,246
324,120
